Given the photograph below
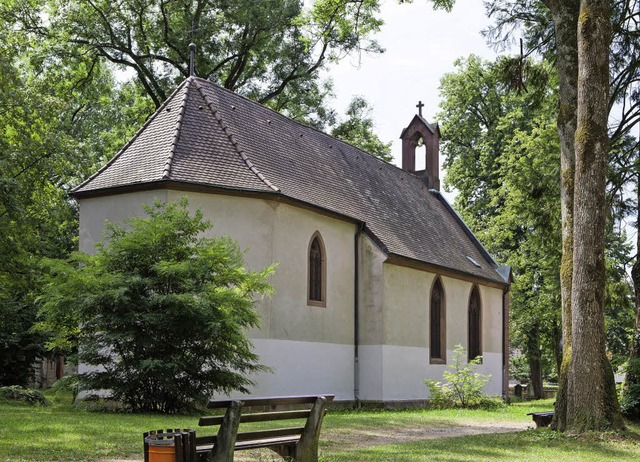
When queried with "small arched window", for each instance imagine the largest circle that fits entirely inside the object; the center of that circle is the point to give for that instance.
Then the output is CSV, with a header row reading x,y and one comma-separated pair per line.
x,y
317,272
420,154
475,324
437,316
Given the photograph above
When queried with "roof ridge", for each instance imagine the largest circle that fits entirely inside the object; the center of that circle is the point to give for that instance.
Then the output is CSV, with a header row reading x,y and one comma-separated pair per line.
x,y
232,140
133,138
183,105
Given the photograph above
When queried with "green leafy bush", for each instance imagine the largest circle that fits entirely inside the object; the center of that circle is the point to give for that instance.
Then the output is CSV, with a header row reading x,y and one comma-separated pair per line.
x,y
464,387
26,395
519,367
161,312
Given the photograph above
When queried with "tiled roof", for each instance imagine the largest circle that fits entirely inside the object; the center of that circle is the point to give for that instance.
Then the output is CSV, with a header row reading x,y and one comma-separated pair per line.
x,y
207,135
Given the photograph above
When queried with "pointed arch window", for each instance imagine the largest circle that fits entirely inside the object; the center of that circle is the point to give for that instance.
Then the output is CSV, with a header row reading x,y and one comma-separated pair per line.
x,y
475,324
317,272
437,317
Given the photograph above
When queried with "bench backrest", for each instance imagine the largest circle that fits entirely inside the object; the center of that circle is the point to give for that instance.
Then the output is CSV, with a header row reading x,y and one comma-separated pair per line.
x,y
270,401
265,416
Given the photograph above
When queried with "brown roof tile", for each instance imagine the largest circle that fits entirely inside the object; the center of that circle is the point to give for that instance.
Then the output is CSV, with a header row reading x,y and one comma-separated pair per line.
x,y
207,135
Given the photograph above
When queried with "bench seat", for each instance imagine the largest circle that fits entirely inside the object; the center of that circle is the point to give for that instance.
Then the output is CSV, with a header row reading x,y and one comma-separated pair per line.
x,y
293,443
542,419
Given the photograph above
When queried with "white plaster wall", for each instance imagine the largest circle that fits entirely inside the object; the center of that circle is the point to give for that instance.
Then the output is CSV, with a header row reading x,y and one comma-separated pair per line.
x,y
311,348
303,368
371,373
95,211
273,232
456,294
402,358
491,319
371,293
406,302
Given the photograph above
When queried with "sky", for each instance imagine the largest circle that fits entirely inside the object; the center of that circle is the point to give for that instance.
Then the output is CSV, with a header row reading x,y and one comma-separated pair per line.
x,y
421,46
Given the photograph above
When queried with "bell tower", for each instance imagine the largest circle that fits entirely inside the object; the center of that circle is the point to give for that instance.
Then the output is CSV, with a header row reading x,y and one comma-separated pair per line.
x,y
420,132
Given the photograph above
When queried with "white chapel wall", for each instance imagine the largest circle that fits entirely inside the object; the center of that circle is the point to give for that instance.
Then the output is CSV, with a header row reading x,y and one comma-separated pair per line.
x,y
309,348
403,354
95,211
371,328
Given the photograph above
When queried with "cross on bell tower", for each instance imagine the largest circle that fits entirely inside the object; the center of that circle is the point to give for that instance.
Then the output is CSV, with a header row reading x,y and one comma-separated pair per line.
x,y
420,106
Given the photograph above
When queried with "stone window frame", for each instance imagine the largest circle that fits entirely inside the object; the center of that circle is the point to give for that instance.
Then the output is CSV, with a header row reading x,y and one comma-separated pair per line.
x,y
442,334
322,290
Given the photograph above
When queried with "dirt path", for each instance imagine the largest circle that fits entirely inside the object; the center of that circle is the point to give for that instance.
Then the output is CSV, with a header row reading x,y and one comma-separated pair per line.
x,y
356,438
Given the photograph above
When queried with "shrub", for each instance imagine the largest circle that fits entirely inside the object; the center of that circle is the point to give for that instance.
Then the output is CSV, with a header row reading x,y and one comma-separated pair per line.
x,y
464,387
67,384
160,312
26,395
519,367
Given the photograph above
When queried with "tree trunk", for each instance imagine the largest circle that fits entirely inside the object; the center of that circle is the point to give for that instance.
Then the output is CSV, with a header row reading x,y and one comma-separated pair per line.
x,y
591,400
565,19
535,364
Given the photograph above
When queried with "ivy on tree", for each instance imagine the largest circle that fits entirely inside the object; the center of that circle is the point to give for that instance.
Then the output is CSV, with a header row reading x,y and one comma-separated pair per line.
x,y
160,312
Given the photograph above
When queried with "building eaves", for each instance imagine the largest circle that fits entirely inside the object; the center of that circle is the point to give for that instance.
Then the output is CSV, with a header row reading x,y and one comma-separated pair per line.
x,y
465,228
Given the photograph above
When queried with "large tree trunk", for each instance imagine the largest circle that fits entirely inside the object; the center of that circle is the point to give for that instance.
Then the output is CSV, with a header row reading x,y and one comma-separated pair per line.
x,y
591,400
565,19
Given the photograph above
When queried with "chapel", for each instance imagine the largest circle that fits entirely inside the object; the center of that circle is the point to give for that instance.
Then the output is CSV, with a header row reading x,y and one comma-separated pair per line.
x,y
378,278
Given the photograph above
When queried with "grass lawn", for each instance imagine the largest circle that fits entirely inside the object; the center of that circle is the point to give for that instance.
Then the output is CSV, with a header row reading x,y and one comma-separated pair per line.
x,y
64,433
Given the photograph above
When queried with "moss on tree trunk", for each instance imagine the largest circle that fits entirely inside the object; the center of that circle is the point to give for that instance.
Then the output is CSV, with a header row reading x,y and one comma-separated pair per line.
x,y
591,399
565,18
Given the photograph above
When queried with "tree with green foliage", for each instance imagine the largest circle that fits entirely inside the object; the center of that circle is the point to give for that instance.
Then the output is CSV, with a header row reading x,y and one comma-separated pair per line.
x,y
551,28
501,157
66,107
159,311
358,130
58,117
272,51
587,397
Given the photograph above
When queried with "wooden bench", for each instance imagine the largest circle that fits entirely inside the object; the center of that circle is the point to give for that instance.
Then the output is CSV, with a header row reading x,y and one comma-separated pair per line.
x,y
542,419
292,443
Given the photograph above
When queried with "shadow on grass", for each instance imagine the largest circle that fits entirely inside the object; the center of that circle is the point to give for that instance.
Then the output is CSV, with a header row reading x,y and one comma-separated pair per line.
x,y
532,445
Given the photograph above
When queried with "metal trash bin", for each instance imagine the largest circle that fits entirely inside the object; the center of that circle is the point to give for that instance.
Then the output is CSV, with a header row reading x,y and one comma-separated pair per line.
x,y
170,446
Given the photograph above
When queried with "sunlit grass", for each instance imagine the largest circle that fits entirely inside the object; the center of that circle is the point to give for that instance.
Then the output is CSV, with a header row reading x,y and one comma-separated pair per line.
x,y
62,432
